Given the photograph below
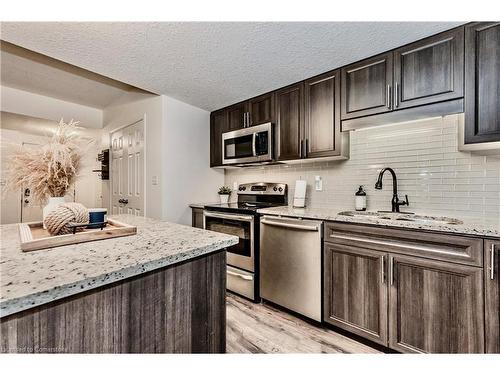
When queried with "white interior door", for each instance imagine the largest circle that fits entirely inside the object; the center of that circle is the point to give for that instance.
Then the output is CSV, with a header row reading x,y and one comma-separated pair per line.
x,y
30,210
127,170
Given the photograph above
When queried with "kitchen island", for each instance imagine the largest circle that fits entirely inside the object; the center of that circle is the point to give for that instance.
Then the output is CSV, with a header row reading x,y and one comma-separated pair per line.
x,y
160,291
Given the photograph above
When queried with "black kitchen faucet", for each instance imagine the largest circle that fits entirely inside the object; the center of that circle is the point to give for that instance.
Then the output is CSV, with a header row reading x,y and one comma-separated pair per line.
x,y
395,202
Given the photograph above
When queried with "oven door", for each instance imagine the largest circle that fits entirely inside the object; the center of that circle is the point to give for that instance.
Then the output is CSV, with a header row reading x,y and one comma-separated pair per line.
x,y
247,145
240,255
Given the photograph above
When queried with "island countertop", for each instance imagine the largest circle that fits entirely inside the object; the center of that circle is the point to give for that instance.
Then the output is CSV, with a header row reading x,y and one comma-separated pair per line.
x,y
34,278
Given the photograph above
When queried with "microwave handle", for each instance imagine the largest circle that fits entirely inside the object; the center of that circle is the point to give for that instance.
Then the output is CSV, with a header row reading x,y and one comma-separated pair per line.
x,y
254,140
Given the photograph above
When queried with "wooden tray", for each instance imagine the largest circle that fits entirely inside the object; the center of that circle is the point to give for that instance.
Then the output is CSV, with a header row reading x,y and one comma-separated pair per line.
x,y
34,237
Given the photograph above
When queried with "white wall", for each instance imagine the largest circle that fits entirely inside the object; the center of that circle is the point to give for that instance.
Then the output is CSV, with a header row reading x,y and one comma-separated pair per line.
x,y
187,175
16,129
44,107
126,112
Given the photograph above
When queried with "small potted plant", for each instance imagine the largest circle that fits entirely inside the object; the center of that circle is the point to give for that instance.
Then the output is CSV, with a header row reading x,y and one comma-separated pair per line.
x,y
224,193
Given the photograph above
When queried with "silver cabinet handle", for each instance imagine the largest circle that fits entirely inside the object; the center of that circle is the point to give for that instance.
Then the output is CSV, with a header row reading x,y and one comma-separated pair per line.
x,y
391,269
382,269
254,148
396,95
244,277
492,262
388,97
288,225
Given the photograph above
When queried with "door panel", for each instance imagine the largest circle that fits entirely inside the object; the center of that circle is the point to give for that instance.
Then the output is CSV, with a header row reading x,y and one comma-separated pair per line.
x,y
367,87
435,307
289,122
430,70
322,115
261,109
218,125
492,293
236,115
482,82
127,173
356,291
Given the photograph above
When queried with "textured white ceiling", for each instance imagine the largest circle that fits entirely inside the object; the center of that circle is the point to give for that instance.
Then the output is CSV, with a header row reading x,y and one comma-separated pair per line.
x,y
211,65
30,71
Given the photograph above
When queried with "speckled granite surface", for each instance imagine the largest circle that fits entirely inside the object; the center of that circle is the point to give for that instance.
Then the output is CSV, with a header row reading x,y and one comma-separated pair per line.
x,y
477,227
38,277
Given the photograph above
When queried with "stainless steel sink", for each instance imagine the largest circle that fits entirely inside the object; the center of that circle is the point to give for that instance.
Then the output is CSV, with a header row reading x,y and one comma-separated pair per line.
x,y
402,216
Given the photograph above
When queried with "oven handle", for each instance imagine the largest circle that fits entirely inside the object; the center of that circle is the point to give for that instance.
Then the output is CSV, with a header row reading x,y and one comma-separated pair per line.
x,y
244,277
254,147
228,216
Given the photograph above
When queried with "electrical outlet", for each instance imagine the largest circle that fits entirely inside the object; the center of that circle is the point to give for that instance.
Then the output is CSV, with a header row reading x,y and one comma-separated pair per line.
x,y
154,180
318,183
235,186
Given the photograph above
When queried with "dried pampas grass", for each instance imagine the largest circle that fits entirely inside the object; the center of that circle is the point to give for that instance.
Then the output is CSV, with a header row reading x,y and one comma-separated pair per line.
x,y
49,170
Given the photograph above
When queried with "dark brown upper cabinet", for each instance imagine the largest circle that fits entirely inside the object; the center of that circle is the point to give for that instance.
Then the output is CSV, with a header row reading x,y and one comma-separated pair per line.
x,y
435,307
482,82
236,115
261,109
289,122
322,115
492,294
430,70
218,125
367,87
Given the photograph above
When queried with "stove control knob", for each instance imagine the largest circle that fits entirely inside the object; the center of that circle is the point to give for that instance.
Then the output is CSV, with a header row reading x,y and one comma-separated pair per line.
x,y
275,188
280,189
242,188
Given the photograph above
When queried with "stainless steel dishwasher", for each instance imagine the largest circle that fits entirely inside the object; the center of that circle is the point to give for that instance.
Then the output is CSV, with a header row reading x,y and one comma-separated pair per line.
x,y
290,264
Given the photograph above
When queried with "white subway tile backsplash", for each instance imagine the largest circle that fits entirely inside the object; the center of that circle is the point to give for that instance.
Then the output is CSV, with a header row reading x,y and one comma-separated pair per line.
x,y
437,177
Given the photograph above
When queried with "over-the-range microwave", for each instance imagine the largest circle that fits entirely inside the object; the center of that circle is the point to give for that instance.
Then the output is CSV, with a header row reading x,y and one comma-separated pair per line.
x,y
248,145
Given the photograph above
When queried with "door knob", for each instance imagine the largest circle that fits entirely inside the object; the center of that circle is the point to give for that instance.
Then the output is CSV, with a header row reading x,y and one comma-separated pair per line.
x,y
122,200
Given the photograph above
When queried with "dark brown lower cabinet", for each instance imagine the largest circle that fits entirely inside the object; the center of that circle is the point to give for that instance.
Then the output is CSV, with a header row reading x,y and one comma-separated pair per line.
x,y
492,294
413,291
197,217
435,307
356,291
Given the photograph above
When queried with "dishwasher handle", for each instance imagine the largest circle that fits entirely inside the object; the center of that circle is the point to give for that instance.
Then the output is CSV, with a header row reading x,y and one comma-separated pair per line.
x,y
283,224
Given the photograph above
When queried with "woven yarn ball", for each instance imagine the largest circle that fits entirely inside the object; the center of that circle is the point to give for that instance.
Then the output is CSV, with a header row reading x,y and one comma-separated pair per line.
x,y
58,219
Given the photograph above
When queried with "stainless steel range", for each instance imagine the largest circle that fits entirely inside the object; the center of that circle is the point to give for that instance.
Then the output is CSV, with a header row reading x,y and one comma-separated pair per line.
x,y
241,219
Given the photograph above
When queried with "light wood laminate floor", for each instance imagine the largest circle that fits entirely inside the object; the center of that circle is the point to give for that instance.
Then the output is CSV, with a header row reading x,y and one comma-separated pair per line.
x,y
261,328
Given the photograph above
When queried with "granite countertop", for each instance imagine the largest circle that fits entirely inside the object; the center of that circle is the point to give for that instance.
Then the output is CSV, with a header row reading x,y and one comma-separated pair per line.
x,y
38,277
470,226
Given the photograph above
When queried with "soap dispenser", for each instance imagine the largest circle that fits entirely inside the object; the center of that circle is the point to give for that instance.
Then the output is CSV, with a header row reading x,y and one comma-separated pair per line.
x,y
360,203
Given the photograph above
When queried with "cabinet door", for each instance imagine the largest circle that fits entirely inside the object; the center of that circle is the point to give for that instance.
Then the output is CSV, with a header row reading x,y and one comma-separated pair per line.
x,y
356,291
218,125
482,82
492,293
322,115
197,217
435,307
289,122
430,70
261,109
367,87
236,115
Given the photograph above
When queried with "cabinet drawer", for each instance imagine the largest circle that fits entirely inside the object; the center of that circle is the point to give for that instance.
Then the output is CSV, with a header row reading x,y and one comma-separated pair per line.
x,y
451,248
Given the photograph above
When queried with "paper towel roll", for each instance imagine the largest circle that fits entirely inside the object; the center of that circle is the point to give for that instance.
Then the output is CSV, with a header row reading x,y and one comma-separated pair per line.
x,y
299,197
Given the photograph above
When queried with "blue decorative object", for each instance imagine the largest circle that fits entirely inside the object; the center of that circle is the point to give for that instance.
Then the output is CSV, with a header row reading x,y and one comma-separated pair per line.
x,y
96,215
